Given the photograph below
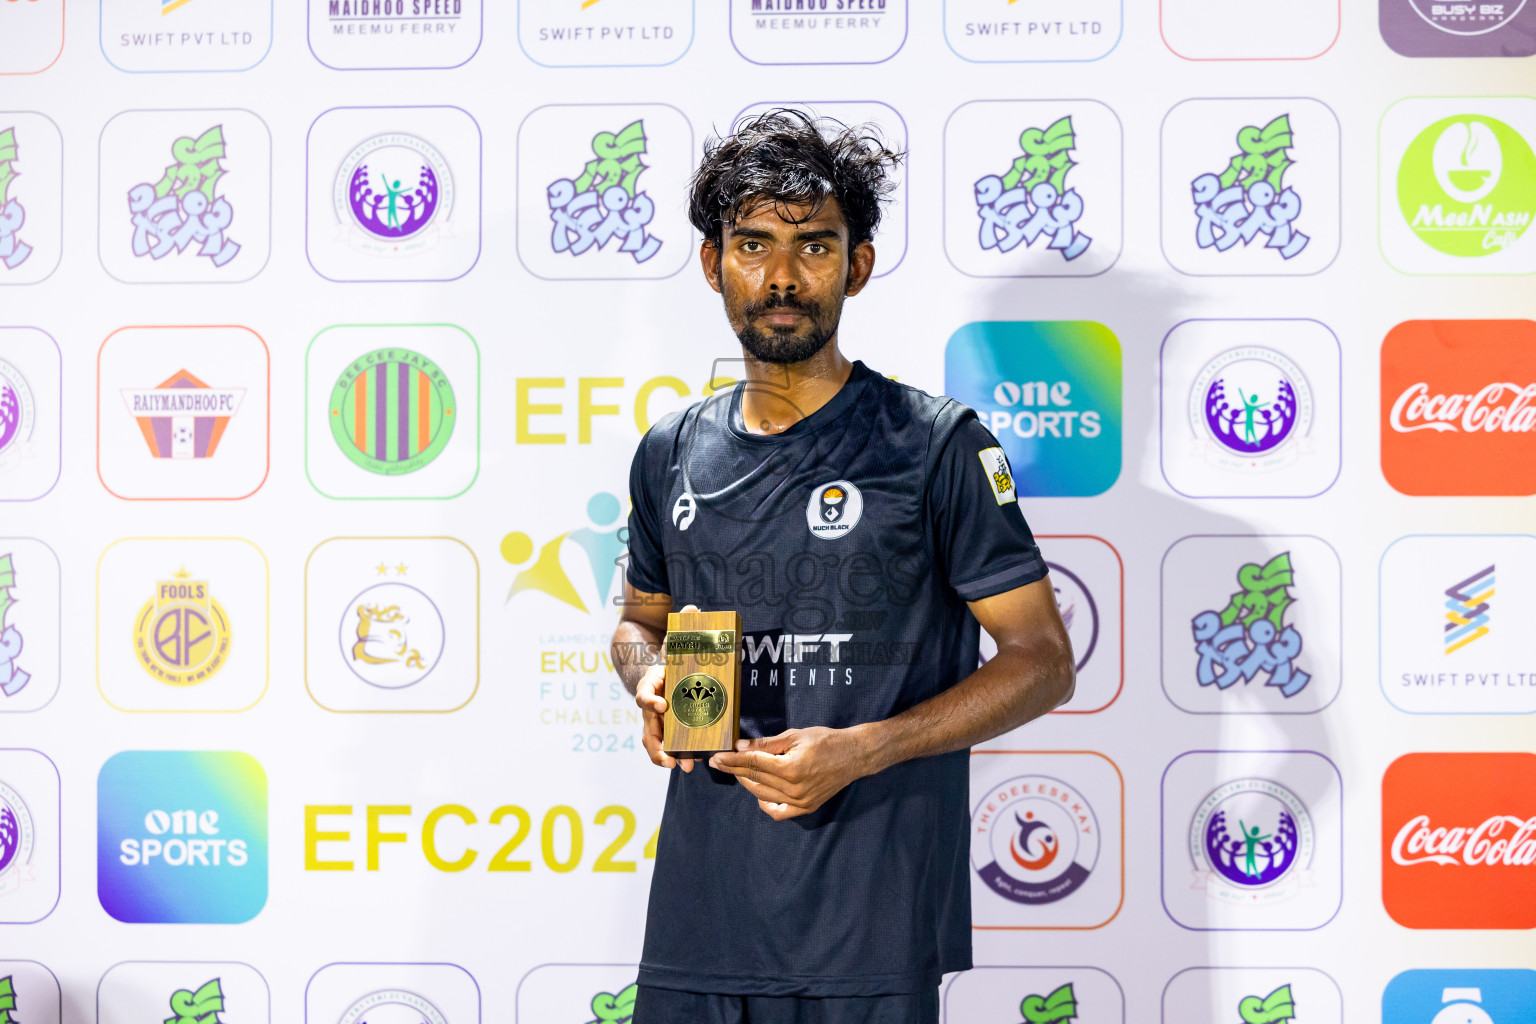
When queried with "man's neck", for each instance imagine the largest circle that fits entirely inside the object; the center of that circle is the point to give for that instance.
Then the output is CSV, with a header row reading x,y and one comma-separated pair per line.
x,y
776,396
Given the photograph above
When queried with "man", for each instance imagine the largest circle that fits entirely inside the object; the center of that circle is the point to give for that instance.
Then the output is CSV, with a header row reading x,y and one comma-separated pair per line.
x,y
862,529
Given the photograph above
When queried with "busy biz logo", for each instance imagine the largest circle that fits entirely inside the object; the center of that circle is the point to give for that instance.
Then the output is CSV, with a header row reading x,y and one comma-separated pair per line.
x,y
1032,201
13,249
13,678
604,202
392,635
1459,28
181,635
1458,407
818,31
181,837
1460,997
18,416
394,195
1466,615
1251,842
1249,199
1250,637
1050,392
184,211
593,33
1458,836
392,411
1034,840
182,417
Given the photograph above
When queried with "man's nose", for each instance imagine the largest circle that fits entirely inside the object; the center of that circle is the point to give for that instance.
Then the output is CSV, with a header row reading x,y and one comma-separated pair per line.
x,y
783,272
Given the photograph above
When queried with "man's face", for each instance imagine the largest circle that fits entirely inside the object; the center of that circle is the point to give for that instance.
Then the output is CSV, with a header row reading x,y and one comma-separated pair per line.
x,y
783,283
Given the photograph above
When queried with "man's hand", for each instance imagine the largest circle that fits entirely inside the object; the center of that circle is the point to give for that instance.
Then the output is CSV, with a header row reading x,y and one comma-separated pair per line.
x,y
798,770
653,705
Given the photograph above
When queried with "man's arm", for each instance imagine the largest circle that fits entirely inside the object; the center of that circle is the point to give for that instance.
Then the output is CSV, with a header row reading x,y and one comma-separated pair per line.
x,y
641,664
1033,673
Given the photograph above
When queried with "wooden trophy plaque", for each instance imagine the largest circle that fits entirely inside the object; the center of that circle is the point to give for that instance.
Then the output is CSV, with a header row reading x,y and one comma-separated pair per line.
x,y
703,683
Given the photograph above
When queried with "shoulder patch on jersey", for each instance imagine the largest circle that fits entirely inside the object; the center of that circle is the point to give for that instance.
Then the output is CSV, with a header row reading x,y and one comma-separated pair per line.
x,y
999,476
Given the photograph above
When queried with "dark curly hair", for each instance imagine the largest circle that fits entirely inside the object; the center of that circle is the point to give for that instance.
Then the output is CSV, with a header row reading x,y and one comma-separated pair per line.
x,y
786,157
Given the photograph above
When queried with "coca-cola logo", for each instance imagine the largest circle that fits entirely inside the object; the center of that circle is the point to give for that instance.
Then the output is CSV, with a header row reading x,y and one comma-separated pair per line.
x,y
1502,840
1498,407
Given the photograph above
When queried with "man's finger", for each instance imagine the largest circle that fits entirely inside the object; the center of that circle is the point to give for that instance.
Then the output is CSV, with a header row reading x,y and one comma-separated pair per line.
x,y
781,811
652,746
763,791
741,761
779,744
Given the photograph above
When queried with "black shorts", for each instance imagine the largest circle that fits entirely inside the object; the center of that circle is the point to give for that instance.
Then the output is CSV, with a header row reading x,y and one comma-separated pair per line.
x,y
668,1006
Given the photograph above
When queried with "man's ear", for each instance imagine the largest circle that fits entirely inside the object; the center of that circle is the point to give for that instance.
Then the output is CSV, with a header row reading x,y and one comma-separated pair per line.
x,y
709,260
860,266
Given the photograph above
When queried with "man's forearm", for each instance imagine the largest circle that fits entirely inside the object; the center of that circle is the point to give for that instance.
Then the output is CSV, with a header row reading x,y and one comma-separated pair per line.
x,y
635,648
1017,686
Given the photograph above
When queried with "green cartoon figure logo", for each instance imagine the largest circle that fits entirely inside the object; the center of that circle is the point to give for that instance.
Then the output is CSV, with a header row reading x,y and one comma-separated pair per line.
x,y
201,1007
615,1008
1060,1007
1275,1008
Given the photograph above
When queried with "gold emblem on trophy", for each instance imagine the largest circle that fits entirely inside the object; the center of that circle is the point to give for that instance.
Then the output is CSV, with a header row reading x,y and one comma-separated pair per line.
x,y
703,679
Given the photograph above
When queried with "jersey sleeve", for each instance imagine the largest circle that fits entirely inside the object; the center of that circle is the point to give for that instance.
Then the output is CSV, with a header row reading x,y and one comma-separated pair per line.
x,y
982,543
647,568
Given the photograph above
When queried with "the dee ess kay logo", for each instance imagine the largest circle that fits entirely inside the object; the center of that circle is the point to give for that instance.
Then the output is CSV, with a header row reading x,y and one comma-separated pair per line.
x,y
1458,840
1458,407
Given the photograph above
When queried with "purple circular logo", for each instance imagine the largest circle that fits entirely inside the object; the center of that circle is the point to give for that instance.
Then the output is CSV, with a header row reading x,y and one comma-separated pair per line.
x,y
16,408
1251,402
15,832
394,187
1251,833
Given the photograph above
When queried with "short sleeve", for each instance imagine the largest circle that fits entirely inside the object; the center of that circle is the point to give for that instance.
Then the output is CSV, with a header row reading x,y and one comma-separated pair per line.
x,y
647,569
983,545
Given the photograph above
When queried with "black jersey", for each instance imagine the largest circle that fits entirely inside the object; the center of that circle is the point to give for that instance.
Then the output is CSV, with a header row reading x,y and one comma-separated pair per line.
x,y
849,543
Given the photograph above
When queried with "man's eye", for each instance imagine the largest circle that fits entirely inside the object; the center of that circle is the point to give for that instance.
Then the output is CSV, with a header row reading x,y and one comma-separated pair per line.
x,y
815,248
752,245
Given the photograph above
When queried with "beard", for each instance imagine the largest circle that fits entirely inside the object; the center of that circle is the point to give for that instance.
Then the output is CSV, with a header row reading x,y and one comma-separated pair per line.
x,y
782,345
